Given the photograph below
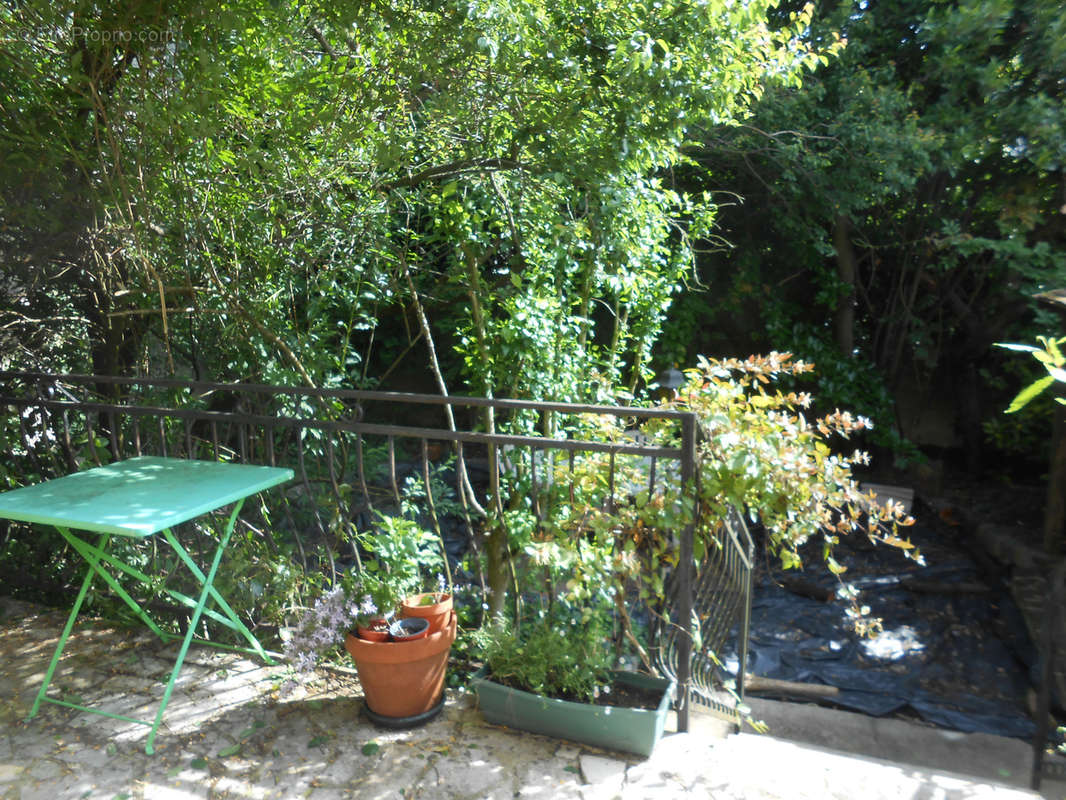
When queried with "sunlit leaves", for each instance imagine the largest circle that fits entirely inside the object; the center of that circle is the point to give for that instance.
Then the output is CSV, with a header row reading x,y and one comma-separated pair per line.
x,y
292,177
1050,356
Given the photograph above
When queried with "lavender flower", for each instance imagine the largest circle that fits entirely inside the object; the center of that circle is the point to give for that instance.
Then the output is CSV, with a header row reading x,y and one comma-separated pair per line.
x,y
325,624
358,597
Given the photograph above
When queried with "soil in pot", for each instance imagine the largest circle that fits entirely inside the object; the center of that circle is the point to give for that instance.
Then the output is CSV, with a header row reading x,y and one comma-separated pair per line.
x,y
627,696
409,629
375,630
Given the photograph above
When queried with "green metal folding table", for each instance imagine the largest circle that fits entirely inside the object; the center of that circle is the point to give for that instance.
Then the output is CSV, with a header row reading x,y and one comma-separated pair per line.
x,y
139,498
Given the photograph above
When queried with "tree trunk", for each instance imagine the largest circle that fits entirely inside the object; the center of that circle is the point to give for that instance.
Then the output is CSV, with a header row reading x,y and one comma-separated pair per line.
x,y
496,568
114,341
969,415
1055,507
844,319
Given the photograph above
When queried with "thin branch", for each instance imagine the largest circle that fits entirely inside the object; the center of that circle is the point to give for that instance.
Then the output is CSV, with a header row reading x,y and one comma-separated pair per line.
x,y
318,37
262,329
133,312
22,320
454,168
434,365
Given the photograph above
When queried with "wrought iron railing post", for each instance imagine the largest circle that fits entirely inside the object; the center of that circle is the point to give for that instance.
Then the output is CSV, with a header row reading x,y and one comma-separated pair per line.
x,y
684,566
745,621
1051,621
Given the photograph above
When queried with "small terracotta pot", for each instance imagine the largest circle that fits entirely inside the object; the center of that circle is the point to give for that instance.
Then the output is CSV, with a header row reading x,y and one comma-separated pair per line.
x,y
403,679
376,630
437,613
409,629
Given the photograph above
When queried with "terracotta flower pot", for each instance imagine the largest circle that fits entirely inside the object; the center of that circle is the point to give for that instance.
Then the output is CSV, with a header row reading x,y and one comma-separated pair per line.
x,y
403,679
437,613
409,629
376,630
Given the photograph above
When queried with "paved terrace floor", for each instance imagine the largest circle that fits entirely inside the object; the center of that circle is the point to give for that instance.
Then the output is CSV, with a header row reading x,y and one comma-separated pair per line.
x,y
229,734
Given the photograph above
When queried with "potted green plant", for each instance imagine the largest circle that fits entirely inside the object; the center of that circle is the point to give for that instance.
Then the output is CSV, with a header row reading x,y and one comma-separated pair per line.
x,y
402,676
596,544
403,679
436,606
758,453
554,677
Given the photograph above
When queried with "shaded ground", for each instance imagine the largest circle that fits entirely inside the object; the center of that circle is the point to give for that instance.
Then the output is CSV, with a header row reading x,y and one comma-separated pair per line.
x,y
955,650
228,734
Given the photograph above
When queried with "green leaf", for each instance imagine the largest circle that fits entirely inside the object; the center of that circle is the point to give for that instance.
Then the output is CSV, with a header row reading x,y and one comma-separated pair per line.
x,y
198,763
835,566
1028,393
232,750
370,748
318,741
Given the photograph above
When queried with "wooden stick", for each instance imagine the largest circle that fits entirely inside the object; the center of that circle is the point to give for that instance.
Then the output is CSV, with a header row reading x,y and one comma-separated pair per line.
x,y
756,684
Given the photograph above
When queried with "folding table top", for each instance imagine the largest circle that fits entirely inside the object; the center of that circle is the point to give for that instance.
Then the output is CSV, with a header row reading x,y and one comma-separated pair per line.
x,y
138,497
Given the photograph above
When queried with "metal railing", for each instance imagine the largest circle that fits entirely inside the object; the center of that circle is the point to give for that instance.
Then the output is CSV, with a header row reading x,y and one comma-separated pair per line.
x,y
721,597
351,462
1051,679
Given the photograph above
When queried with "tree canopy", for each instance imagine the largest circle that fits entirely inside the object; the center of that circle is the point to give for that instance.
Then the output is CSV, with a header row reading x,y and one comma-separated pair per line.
x,y
300,191
899,209
530,198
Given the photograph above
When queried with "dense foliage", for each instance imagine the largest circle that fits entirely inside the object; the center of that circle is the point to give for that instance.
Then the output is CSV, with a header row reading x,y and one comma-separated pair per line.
x,y
897,212
1050,356
597,537
286,191
512,197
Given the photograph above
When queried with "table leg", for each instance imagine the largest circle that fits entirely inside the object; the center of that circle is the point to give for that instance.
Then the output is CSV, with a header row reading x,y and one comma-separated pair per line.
x,y
194,620
94,555
231,619
89,575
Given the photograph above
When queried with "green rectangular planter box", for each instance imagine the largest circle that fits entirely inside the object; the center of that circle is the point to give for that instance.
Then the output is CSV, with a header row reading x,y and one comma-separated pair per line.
x,y
632,730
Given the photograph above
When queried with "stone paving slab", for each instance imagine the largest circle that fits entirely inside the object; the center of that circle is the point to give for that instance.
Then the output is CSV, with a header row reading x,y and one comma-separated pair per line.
x,y
230,733
805,773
